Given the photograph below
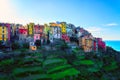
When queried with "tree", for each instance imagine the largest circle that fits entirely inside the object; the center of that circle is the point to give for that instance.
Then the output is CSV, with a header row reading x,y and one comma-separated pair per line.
x,y
26,45
1,44
38,43
15,45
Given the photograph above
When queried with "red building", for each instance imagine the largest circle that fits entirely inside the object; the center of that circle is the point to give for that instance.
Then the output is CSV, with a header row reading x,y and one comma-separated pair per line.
x,y
23,32
101,44
65,37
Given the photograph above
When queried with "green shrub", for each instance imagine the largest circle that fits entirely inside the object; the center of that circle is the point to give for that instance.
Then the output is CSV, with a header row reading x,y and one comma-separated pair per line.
x,y
61,75
59,68
7,65
111,66
7,62
15,45
53,61
25,71
4,78
26,45
34,77
38,43
84,62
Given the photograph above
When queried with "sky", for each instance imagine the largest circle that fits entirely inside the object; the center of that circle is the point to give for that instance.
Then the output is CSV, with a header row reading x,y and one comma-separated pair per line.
x,y
100,17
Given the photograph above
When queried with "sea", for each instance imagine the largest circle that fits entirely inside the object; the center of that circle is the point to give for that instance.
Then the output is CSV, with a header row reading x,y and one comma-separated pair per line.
x,y
114,44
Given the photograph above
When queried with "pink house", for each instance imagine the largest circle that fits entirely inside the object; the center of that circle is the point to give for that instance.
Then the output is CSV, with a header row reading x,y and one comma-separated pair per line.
x,y
36,37
38,32
8,28
101,44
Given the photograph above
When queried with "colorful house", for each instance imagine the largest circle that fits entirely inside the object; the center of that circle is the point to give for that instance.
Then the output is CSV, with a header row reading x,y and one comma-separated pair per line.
x,y
38,32
69,30
4,31
36,37
38,29
47,34
14,31
95,48
80,42
23,32
64,30
8,29
30,28
87,43
56,30
63,27
78,32
46,29
101,44
65,37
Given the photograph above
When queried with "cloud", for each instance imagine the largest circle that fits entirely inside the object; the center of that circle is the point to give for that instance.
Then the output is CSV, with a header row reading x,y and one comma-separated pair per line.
x,y
94,29
111,24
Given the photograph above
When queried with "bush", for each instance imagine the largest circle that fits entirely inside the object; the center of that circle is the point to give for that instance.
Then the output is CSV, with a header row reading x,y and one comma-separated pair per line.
x,y
26,45
38,43
15,45
64,46
61,75
6,65
1,45
26,71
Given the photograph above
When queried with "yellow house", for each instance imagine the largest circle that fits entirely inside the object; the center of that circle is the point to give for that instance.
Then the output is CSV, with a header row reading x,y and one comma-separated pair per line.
x,y
30,29
3,33
55,25
87,44
63,27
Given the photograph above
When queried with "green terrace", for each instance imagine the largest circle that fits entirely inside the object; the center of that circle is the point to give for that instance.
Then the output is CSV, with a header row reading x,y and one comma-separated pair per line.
x,y
58,65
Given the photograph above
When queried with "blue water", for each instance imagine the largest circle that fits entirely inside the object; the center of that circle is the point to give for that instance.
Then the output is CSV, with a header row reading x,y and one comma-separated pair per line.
x,y
114,44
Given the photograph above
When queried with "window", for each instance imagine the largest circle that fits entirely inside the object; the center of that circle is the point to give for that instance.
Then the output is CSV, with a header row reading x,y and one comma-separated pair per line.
x,y
36,37
3,36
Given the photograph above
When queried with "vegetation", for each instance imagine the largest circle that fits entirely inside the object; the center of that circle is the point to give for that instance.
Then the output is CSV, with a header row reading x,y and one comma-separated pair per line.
x,y
38,43
59,64
15,45
26,45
